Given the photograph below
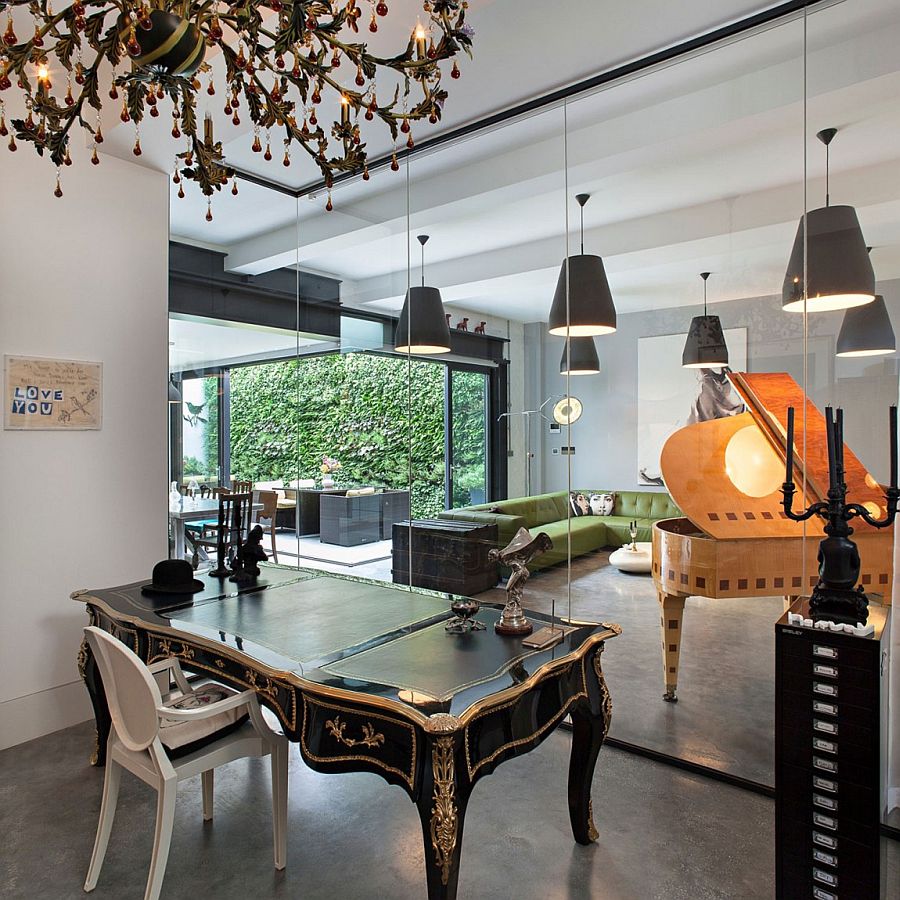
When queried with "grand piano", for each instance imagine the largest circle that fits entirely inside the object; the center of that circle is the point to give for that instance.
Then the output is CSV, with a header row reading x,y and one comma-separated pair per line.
x,y
726,475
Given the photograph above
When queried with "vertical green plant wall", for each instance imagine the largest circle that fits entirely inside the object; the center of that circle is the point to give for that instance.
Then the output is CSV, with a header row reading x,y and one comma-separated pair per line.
x,y
355,407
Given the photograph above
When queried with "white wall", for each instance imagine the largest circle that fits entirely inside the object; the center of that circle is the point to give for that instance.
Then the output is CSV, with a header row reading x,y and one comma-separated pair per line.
x,y
81,277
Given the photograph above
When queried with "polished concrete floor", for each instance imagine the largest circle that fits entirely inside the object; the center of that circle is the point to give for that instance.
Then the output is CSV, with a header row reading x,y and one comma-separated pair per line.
x,y
663,833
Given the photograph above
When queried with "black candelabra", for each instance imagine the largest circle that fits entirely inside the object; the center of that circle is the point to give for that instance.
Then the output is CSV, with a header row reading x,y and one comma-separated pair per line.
x,y
836,596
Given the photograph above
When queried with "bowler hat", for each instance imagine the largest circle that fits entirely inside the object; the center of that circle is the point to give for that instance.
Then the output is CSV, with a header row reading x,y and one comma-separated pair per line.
x,y
173,576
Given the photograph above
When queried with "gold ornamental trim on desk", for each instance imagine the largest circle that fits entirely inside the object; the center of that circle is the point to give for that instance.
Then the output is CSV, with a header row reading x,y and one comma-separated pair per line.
x,y
444,815
408,777
370,738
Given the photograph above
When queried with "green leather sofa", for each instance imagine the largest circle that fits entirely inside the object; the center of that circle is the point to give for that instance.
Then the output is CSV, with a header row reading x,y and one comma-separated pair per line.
x,y
548,513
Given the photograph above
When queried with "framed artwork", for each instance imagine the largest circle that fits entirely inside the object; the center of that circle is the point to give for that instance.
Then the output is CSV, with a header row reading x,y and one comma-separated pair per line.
x,y
670,396
52,394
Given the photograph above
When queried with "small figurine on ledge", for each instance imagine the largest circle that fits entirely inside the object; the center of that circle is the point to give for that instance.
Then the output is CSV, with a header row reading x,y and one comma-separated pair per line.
x,y
479,328
249,556
836,596
517,554
463,324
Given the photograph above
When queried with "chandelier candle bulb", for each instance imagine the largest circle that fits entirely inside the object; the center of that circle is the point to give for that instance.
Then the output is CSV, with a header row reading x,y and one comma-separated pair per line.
x,y
345,110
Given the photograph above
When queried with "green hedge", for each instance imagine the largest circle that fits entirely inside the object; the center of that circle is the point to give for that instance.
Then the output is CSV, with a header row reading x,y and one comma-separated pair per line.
x,y
381,417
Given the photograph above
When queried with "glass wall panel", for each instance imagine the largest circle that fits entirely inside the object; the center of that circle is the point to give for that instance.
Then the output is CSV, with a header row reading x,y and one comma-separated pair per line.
x,y
852,156
694,174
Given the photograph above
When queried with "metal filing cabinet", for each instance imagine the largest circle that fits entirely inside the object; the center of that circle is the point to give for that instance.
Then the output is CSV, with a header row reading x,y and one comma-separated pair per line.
x,y
829,746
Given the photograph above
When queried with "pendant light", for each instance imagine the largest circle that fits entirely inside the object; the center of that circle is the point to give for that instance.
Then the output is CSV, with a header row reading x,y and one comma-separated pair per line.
x,y
587,307
867,331
705,347
579,357
839,274
423,327
174,393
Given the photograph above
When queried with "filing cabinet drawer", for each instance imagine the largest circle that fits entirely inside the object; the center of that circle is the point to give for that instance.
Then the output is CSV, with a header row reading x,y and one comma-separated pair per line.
x,y
837,729
798,881
797,706
821,650
801,841
853,687
801,742
806,790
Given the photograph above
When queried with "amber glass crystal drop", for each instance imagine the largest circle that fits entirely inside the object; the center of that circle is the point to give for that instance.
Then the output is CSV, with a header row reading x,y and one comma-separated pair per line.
x,y
12,143
58,191
98,135
381,8
404,126
113,93
395,165
454,72
181,192
267,156
67,159
234,187
365,174
257,145
209,216
125,116
9,36
136,150
329,206
360,78
95,158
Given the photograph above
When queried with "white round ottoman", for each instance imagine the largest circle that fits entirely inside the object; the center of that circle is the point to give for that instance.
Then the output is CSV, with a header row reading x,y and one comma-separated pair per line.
x,y
627,560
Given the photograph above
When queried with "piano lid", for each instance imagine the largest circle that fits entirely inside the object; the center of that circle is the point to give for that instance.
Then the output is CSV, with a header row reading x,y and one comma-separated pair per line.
x,y
726,474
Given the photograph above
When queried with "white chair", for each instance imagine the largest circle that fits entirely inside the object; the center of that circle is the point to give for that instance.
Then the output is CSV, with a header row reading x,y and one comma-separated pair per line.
x,y
162,743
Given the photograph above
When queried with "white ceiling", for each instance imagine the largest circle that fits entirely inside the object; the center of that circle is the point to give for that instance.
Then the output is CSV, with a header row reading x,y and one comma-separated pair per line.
x,y
697,166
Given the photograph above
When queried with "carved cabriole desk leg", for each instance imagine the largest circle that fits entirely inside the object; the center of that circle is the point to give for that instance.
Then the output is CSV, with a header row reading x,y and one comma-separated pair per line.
x,y
589,730
87,668
671,620
442,804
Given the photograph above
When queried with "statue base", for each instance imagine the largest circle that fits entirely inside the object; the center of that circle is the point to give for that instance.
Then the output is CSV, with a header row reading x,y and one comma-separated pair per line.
x,y
842,605
515,626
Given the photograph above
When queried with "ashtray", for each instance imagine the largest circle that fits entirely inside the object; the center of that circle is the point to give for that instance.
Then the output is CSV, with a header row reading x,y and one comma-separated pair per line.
x,y
463,621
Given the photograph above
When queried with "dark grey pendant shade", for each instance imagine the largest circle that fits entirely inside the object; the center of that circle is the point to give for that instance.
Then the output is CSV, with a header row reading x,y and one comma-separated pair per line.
x,y
579,357
705,347
590,309
840,273
582,304
423,324
423,327
867,331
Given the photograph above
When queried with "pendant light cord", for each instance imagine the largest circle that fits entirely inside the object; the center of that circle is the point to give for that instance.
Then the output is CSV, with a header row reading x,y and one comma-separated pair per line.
x,y
827,175
582,229
704,297
423,265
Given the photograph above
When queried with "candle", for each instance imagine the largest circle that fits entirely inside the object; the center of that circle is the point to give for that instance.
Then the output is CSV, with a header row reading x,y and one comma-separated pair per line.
x,y
789,454
839,444
893,421
345,110
419,35
829,433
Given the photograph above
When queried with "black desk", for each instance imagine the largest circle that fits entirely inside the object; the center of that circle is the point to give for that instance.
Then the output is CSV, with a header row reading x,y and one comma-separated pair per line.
x,y
363,677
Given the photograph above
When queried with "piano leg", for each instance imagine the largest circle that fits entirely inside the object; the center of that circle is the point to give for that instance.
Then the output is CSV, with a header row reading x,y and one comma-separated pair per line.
x,y
671,619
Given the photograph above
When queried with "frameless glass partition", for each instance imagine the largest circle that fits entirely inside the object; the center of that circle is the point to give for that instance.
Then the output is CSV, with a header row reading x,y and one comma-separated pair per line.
x,y
691,181
573,324
848,255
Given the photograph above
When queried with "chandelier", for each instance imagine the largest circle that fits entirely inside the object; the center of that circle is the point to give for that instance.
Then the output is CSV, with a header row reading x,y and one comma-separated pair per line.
x,y
283,63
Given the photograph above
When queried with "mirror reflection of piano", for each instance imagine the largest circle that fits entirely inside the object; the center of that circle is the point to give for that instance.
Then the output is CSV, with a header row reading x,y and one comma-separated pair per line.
x,y
726,474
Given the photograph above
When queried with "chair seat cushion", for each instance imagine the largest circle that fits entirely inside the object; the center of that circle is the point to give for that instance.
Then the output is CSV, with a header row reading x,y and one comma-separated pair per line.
x,y
181,738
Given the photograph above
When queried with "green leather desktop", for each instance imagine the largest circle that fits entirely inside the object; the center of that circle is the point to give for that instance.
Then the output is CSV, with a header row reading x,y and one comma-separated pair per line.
x,y
548,513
